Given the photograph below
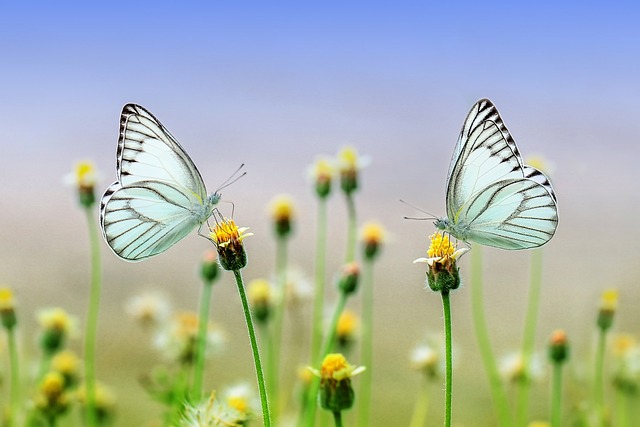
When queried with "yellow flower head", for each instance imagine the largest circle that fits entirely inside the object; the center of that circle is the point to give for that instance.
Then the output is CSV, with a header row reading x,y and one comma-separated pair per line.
x,y
52,385
282,212
259,291
609,300
66,362
347,326
440,246
322,173
335,367
373,235
349,164
240,397
227,238
85,175
57,319
7,301
443,273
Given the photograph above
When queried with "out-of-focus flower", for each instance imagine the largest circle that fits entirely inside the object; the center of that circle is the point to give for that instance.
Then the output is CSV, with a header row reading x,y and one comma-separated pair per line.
x,y
428,358
149,308
373,235
514,371
558,347
211,413
178,339
57,326
243,398
349,165
7,308
52,399
347,328
282,212
322,173
348,282
260,296
298,287
84,177
66,363
105,402
608,307
209,268
626,372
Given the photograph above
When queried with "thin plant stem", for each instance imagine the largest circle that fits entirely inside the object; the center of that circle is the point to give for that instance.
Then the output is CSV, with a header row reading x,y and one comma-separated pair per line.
x,y
622,409
556,396
201,349
498,393
179,394
273,375
337,416
350,254
328,345
92,319
366,353
15,377
529,337
266,414
598,392
319,288
421,408
448,393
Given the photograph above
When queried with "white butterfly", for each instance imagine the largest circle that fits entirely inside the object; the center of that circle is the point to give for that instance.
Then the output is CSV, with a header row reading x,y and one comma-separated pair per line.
x,y
492,197
159,196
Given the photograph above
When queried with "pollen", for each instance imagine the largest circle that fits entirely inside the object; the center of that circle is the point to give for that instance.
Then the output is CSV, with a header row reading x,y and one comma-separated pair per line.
x,y
335,366
227,232
440,246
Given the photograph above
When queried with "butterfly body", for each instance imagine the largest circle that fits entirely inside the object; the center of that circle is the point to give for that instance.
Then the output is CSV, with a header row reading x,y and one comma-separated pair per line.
x,y
159,196
493,198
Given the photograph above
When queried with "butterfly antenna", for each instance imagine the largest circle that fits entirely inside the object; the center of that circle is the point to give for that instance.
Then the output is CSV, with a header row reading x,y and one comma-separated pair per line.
x,y
430,217
236,175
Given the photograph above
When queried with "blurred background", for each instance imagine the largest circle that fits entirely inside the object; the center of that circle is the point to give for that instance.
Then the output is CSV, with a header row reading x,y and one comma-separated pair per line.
x,y
272,86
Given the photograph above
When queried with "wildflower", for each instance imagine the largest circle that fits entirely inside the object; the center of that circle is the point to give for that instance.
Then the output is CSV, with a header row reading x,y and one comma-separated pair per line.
x,y
105,402
57,325
211,413
298,288
336,393
84,177
349,165
242,398
626,375
178,340
322,172
66,364
260,295
149,308
443,273
427,359
347,328
608,306
348,283
282,212
558,347
227,238
209,267
52,400
7,309
513,369
373,235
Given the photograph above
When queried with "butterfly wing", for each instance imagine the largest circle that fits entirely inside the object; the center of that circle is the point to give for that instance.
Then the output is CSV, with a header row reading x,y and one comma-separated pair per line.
x,y
491,194
160,195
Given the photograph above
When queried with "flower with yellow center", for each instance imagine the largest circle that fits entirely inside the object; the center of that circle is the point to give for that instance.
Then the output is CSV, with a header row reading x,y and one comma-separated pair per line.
x,y
336,393
241,397
443,273
84,177
260,295
178,339
7,308
227,238
608,306
372,235
105,402
559,346
211,413
623,343
349,164
149,308
57,325
51,399
425,358
322,173
67,364
282,211
347,327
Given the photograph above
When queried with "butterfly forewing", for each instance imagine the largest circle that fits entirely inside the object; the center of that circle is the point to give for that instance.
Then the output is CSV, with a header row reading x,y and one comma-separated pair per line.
x,y
491,195
148,151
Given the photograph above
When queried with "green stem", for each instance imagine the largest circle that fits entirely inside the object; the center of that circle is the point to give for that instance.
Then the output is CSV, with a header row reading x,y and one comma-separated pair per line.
x,y
364,412
622,409
179,394
278,322
203,324
446,308
266,415
92,319
350,254
556,396
328,345
15,377
421,408
599,375
477,305
337,416
529,337
319,289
